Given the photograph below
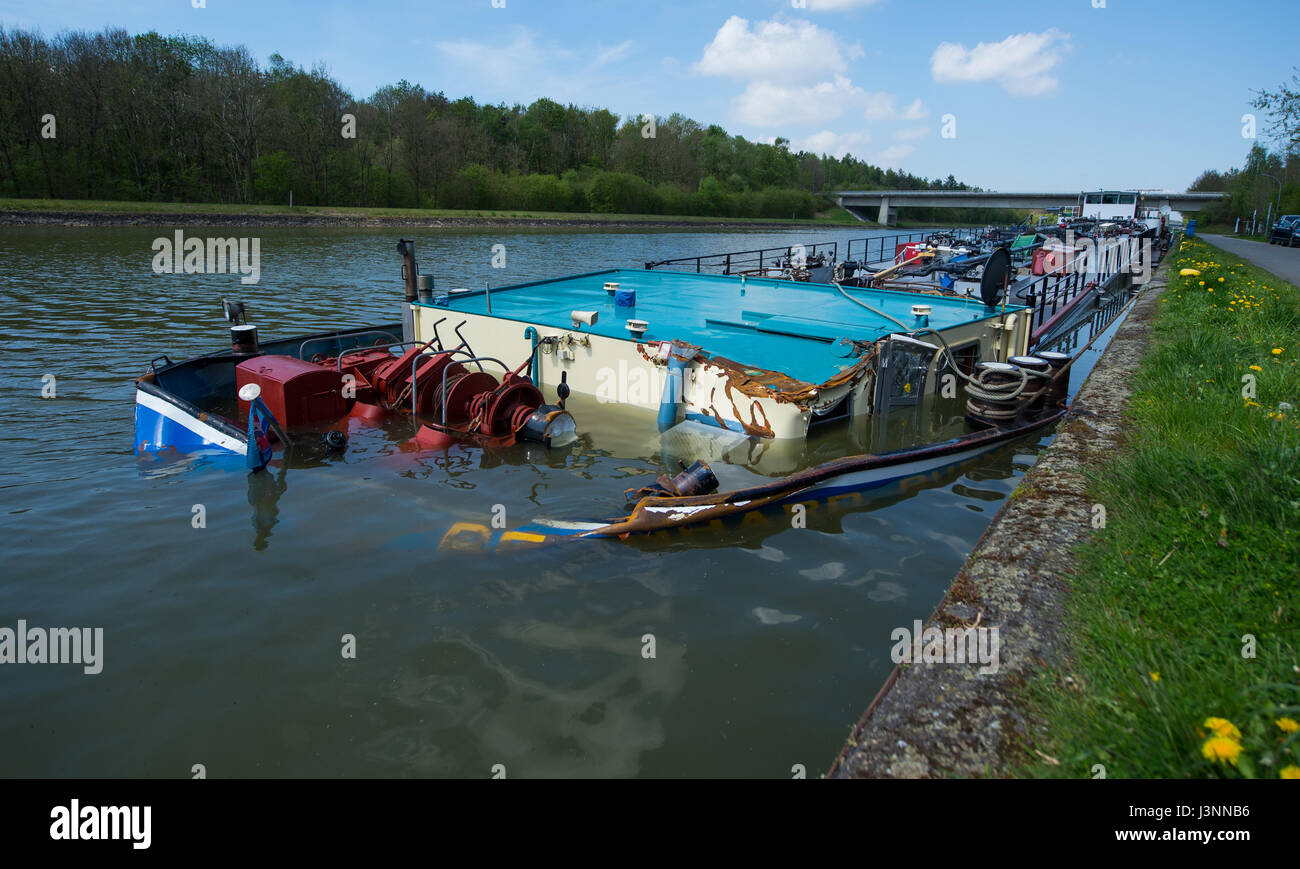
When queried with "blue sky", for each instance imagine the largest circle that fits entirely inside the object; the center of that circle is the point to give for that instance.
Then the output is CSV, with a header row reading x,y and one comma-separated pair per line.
x,y
1055,95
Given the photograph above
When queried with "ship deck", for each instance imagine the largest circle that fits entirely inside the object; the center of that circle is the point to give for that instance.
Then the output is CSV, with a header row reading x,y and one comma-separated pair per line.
x,y
786,326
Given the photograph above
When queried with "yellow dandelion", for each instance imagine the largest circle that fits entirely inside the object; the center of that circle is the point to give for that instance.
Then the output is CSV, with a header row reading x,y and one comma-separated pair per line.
x,y
1222,727
1288,725
1291,771
1256,368
1221,749
1277,351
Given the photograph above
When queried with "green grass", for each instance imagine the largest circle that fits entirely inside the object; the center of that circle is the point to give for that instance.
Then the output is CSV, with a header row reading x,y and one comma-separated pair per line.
x,y
1201,548
834,217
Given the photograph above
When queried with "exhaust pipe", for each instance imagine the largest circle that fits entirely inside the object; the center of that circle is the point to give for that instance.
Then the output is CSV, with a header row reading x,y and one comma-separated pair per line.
x,y
410,270
411,275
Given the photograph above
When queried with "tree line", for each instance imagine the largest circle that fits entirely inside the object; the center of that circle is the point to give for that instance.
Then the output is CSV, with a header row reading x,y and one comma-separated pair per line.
x,y
146,117
1269,179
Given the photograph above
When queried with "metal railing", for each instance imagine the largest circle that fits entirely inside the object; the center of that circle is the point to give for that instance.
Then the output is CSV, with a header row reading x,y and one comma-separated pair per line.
x,y
885,246
1053,294
337,339
756,261
804,255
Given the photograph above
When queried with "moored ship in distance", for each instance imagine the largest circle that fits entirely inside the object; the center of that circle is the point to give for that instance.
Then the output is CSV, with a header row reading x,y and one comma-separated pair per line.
x,y
1118,212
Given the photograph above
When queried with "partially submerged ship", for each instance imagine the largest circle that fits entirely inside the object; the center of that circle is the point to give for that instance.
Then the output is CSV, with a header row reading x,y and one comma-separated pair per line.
x,y
754,358
760,356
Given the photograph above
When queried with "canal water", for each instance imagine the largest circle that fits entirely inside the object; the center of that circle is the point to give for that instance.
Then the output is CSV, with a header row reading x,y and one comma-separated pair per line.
x,y
744,651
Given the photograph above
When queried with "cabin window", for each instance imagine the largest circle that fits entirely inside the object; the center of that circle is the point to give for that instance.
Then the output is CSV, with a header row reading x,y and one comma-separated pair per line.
x,y
1110,199
1093,199
1128,199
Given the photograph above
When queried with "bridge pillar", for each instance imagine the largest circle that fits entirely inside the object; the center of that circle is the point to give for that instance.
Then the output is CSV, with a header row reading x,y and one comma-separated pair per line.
x,y
883,219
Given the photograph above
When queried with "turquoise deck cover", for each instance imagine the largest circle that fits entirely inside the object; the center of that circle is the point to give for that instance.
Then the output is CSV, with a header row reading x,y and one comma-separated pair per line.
x,y
787,326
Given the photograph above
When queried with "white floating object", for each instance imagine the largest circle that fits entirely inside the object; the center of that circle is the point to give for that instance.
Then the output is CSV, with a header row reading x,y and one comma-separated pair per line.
x,y
611,287
920,310
249,391
637,327
698,440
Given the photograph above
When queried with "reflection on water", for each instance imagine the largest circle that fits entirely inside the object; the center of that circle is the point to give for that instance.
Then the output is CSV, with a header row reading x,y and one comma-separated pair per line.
x,y
264,490
222,643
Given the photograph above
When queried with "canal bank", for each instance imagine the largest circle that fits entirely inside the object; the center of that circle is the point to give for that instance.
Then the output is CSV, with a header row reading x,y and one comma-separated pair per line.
x,y
41,212
951,720
1143,577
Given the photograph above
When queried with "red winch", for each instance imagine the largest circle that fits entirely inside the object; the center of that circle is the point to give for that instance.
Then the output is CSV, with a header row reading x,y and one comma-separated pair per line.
x,y
370,382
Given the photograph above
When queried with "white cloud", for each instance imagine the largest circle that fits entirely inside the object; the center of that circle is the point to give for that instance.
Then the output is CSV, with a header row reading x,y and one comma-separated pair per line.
x,y
883,107
795,51
893,156
765,104
612,54
855,143
1020,63
528,67
838,5
911,134
522,52
835,144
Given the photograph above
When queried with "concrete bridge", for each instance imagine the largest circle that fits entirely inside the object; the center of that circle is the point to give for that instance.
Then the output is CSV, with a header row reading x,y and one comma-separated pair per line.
x,y
885,203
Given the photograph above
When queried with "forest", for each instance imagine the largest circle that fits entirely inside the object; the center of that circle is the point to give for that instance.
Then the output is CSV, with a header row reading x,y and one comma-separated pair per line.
x,y
116,116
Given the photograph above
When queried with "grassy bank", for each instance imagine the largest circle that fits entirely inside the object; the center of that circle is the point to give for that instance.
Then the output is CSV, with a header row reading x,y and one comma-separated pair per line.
x,y
122,211
92,207
1200,549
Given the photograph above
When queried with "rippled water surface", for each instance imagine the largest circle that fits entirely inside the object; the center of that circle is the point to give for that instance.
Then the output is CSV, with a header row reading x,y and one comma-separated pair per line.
x,y
222,644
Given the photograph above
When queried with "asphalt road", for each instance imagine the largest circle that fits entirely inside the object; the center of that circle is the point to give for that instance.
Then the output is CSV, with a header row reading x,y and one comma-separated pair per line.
x,y
1281,261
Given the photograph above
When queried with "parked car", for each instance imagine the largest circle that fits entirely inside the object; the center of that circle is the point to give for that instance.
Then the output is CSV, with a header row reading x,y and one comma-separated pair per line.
x,y
1286,231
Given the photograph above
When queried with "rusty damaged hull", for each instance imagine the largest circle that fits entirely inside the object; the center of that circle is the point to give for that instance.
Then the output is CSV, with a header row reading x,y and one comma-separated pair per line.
x,y
827,482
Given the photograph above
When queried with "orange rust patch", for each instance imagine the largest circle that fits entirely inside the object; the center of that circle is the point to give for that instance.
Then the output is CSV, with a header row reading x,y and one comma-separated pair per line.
x,y
764,383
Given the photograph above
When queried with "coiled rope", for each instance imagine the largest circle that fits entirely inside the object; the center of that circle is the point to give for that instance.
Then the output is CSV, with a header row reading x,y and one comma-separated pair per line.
x,y
976,387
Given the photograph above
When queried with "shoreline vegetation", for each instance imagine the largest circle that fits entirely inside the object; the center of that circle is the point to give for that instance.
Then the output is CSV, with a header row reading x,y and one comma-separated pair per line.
x,y
150,118
1184,609
83,212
